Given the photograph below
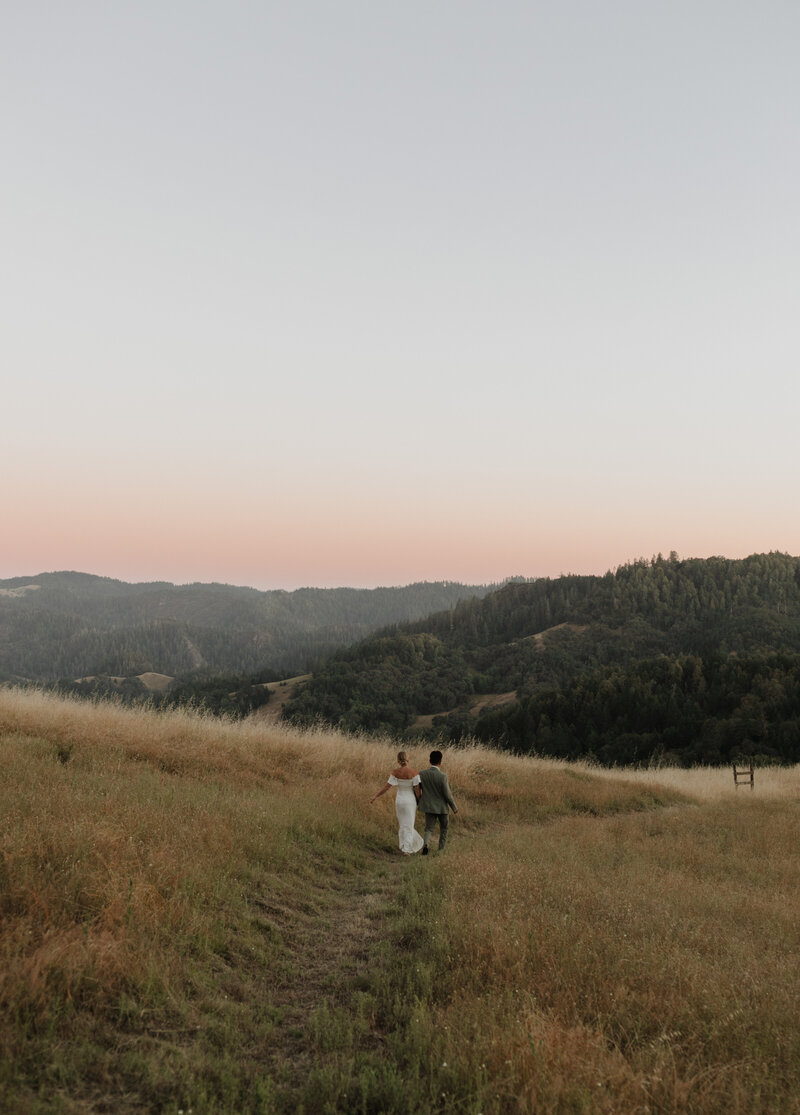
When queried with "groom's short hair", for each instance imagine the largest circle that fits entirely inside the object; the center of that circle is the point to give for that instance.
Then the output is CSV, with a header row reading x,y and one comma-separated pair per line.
x,y
435,758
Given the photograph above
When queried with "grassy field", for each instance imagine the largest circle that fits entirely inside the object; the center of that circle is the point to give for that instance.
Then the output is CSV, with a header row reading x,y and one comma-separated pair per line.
x,y
209,917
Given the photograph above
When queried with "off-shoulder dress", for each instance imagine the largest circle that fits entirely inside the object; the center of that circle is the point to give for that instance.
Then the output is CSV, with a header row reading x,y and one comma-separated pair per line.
x,y
405,804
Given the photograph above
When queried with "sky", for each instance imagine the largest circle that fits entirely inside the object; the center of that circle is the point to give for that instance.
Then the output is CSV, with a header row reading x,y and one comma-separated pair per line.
x,y
296,292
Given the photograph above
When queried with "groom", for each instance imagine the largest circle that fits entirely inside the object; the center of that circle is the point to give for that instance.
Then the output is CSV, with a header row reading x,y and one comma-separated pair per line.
x,y
434,801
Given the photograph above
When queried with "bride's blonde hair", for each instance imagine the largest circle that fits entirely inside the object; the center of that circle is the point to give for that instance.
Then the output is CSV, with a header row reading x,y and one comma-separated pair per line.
x,y
402,758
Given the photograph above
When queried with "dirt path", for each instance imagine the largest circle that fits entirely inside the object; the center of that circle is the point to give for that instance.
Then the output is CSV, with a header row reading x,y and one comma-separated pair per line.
x,y
330,965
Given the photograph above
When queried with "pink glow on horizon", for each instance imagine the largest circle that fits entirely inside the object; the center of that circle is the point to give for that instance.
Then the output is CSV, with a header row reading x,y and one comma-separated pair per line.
x,y
288,540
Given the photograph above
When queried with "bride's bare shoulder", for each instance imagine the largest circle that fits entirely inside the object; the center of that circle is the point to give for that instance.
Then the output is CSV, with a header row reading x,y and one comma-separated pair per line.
x,y
404,772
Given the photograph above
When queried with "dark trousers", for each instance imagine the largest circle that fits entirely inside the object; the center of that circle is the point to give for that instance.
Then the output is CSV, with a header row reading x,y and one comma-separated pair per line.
x,y
430,825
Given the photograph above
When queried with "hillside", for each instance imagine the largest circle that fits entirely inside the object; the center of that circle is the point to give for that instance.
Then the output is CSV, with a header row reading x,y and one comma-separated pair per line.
x,y
698,660
75,625
207,917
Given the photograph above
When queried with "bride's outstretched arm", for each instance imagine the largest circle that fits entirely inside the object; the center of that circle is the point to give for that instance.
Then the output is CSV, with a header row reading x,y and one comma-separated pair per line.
x,y
388,786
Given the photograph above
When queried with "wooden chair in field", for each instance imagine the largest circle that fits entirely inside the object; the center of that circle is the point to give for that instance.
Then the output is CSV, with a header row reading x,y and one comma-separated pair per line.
x,y
743,775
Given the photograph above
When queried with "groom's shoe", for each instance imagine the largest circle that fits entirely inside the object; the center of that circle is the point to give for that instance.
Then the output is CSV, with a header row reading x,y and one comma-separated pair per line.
x,y
424,849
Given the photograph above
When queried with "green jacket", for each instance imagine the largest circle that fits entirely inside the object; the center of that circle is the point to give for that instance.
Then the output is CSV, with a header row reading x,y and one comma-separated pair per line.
x,y
436,795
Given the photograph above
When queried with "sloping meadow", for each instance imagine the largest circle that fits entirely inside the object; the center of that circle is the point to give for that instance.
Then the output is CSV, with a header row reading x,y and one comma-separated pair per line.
x,y
645,962
208,915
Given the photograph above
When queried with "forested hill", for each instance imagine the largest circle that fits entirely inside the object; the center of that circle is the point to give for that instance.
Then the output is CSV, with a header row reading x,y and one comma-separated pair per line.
x,y
75,624
650,658
752,601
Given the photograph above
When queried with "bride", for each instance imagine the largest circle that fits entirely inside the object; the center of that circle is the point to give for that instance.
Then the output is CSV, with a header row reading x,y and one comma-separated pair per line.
x,y
407,782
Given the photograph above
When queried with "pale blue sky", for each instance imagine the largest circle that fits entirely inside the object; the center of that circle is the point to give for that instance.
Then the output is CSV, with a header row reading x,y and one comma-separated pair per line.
x,y
486,288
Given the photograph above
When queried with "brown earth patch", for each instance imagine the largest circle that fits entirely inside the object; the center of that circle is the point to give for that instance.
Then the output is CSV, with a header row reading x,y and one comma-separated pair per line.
x,y
103,677
427,721
540,636
157,683
279,693
491,700
479,701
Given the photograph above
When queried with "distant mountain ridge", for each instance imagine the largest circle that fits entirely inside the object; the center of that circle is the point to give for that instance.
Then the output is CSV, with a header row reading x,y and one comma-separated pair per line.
x,y
72,624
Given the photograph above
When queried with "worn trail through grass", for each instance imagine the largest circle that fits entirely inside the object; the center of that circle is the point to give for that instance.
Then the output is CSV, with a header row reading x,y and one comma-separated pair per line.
x,y
330,942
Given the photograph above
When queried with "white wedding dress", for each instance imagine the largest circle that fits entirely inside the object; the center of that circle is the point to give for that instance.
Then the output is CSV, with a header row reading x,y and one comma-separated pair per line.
x,y
405,804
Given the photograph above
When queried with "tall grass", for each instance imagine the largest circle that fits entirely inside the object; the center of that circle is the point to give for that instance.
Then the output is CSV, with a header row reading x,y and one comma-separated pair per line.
x,y
152,870
209,915
636,963
709,783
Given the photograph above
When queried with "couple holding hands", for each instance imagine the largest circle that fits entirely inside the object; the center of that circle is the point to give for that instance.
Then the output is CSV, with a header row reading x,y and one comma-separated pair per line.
x,y
431,789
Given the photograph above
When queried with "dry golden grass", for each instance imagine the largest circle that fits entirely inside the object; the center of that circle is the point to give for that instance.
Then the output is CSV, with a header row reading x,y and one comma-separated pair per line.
x,y
280,693
137,855
157,683
191,908
646,962
251,753
710,783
